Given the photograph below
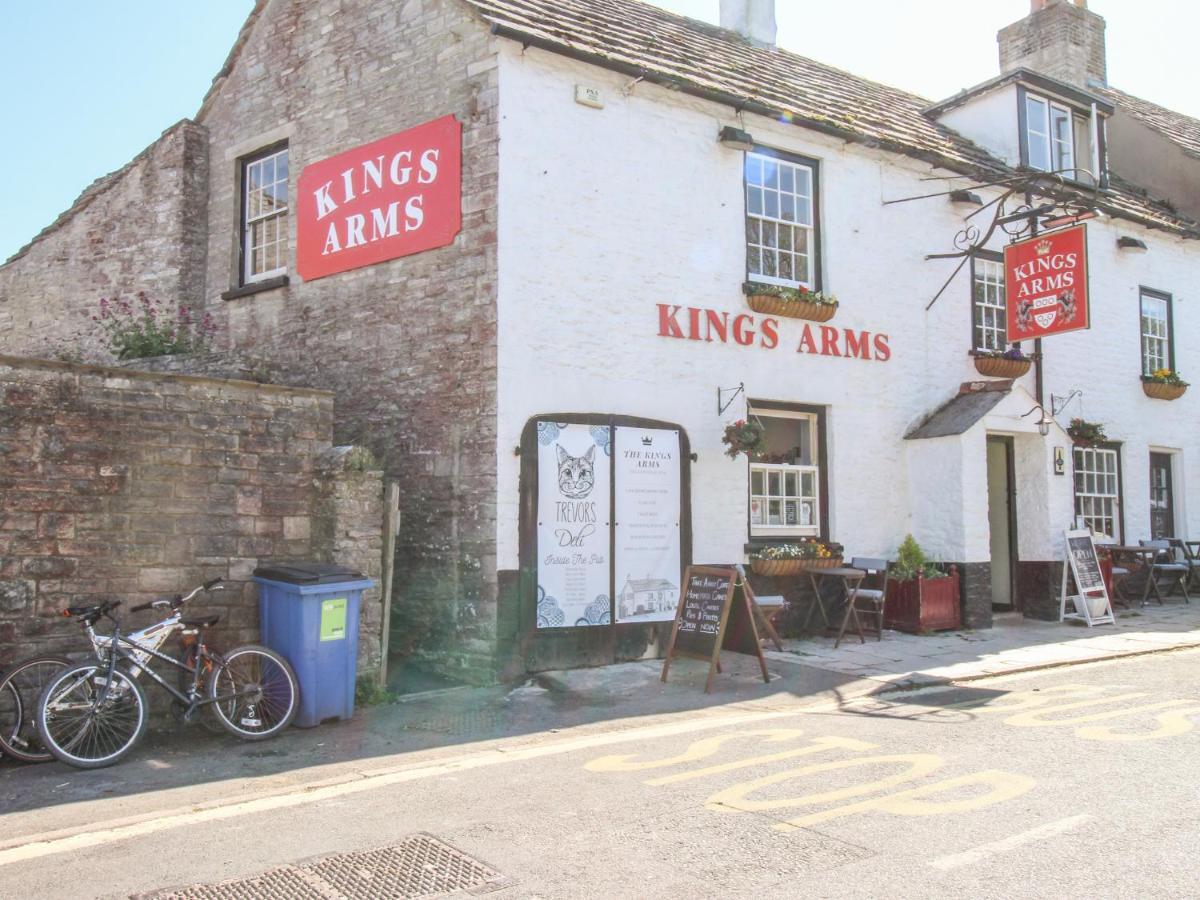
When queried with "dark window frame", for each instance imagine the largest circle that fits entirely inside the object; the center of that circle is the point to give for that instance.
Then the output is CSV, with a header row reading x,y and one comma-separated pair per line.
x,y
814,166
1023,134
822,417
240,183
992,256
1144,291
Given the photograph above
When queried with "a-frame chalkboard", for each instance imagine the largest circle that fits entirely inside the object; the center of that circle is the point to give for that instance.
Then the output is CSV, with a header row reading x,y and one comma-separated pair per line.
x,y
714,613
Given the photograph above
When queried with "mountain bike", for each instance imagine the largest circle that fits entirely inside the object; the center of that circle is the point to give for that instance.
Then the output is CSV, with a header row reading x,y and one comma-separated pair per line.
x,y
20,688
93,714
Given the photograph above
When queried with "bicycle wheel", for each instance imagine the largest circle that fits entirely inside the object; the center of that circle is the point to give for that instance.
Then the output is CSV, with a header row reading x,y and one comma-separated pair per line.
x,y
255,692
20,689
86,726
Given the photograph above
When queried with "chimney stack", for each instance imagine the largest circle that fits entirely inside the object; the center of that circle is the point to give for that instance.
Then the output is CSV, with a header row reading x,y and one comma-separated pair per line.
x,y
752,19
1062,39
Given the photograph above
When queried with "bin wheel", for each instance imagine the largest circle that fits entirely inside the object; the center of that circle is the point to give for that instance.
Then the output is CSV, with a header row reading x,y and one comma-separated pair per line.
x,y
255,693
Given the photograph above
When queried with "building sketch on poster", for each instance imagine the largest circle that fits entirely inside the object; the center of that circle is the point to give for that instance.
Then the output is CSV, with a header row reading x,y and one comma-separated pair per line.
x,y
648,515
574,472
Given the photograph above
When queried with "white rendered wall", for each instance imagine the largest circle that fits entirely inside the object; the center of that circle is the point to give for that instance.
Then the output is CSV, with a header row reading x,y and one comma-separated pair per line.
x,y
605,213
990,120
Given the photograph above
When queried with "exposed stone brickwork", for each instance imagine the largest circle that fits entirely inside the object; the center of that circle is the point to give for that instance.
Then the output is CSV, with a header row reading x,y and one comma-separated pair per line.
x,y
409,346
1061,40
128,485
140,228
975,594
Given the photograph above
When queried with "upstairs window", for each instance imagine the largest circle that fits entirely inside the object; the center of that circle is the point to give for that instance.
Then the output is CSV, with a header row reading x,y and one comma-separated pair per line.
x,y
264,215
1158,351
781,215
987,304
1057,139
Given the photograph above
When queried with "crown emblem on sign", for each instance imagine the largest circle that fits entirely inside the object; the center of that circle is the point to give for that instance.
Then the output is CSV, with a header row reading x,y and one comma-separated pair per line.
x,y
1042,247
647,441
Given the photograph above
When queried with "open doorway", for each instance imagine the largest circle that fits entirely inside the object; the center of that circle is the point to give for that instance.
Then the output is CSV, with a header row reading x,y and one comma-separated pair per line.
x,y
1002,521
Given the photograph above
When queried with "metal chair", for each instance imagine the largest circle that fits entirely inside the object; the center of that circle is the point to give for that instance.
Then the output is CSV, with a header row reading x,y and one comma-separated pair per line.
x,y
1178,573
1185,552
868,601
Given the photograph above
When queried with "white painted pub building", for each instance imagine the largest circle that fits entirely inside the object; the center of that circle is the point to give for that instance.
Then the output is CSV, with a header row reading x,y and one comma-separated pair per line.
x,y
533,222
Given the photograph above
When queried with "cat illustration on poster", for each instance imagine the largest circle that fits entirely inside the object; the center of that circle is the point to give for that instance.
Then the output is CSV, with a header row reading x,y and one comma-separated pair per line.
x,y
576,474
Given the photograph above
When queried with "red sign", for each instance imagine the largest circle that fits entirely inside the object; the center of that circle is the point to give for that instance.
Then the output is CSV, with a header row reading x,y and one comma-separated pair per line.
x,y
1046,284
394,197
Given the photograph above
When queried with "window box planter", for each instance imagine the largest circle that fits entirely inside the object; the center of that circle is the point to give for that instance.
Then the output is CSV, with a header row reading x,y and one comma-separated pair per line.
x,y
792,303
1158,390
923,604
1001,366
777,568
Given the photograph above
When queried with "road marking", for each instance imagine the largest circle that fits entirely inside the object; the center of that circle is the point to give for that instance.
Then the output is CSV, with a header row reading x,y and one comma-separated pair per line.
x,y
35,846
983,851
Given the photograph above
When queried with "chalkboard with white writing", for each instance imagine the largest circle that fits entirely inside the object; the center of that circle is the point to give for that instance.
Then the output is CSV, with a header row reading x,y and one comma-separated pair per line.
x,y
1085,564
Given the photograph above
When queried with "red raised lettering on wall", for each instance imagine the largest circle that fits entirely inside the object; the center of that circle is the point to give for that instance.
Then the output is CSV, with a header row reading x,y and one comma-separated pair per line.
x,y
829,341
667,324
807,344
740,334
858,343
882,351
770,334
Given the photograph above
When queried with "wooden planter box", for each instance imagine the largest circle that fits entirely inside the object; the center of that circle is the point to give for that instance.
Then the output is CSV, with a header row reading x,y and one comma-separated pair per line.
x,y
792,309
999,367
1159,391
923,604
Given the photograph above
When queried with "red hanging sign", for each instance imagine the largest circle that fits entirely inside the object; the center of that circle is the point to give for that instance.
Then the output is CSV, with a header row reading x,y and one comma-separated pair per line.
x,y
393,197
1046,284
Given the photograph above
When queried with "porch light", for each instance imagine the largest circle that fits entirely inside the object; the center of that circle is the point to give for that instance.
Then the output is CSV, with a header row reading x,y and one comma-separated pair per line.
x,y
735,138
1044,422
1131,244
965,198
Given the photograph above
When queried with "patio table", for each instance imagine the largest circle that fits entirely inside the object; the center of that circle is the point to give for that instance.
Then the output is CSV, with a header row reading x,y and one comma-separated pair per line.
x,y
1139,558
850,578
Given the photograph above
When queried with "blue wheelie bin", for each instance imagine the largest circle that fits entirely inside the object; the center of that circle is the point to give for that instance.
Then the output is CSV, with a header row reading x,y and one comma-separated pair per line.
x,y
309,613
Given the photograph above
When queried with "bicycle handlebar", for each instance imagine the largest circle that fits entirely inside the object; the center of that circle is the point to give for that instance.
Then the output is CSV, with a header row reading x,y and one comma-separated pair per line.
x,y
178,600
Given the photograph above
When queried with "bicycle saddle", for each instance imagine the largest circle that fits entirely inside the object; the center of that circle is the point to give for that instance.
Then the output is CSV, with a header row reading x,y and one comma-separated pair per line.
x,y
93,611
200,621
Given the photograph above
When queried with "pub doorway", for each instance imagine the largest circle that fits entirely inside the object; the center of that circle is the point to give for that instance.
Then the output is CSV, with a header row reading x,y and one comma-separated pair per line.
x,y
1162,497
1002,521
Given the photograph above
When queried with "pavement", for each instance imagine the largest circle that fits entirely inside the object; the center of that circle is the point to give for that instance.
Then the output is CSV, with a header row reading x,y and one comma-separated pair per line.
x,y
205,785
1015,644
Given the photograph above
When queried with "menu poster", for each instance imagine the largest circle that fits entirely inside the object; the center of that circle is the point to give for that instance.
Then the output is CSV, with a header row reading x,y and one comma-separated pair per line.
x,y
648,515
573,518
1085,563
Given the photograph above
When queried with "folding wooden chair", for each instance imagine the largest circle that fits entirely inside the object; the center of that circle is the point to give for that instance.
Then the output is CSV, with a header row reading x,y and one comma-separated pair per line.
x,y
1183,549
867,601
1176,573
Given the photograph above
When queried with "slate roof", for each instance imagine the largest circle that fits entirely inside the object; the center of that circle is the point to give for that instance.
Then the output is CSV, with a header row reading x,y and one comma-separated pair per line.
x,y
1175,127
701,59
959,413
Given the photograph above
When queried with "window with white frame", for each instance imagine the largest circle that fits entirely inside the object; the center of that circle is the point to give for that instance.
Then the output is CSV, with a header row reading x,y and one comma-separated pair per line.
x,y
264,215
785,482
781,221
987,301
1156,332
1057,139
1098,490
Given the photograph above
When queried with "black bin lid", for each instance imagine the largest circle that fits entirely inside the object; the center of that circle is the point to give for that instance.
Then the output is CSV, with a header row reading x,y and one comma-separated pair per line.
x,y
307,573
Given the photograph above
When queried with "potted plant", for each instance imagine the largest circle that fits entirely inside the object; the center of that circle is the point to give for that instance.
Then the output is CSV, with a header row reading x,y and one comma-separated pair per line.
x,y
1086,434
744,436
1164,384
920,596
794,559
792,302
1011,363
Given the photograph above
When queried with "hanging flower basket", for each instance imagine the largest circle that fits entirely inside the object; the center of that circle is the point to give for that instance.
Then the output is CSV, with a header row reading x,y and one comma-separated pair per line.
x,y
744,436
777,568
1086,434
1002,365
1165,384
792,303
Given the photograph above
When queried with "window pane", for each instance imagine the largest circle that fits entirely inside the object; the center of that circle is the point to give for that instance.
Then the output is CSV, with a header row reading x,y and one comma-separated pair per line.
x,y
770,173
756,481
754,169
789,485
771,205
755,201
773,485
281,167
773,513
1036,133
1061,135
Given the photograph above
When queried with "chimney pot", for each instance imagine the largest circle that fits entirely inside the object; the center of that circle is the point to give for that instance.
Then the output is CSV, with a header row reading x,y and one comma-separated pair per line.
x,y
1059,38
752,19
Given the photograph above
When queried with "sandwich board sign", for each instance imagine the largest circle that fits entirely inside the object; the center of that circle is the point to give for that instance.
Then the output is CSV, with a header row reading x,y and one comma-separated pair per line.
x,y
1081,571
715,612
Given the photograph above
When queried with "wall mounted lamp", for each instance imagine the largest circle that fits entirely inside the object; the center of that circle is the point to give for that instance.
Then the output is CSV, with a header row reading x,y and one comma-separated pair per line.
x,y
735,138
1044,422
965,198
1131,244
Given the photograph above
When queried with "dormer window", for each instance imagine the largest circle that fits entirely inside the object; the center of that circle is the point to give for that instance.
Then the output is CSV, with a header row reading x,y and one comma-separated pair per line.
x,y
1056,138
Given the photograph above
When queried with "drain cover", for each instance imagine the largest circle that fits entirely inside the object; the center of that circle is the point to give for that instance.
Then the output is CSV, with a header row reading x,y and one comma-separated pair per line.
x,y
419,866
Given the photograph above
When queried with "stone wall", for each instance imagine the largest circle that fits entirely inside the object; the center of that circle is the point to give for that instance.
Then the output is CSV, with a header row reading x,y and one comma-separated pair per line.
x,y
140,228
128,485
1061,40
407,346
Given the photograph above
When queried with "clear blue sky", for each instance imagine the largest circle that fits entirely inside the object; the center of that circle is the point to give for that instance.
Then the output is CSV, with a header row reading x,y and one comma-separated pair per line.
x,y
87,85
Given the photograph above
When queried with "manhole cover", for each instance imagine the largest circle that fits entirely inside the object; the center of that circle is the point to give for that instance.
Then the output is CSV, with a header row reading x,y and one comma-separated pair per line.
x,y
419,866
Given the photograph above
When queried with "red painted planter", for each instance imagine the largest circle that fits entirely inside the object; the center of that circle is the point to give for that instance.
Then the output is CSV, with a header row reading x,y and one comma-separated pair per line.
x,y
923,604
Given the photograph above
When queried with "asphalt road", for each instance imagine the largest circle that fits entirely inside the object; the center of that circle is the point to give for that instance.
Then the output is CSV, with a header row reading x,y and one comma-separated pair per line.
x,y
1068,782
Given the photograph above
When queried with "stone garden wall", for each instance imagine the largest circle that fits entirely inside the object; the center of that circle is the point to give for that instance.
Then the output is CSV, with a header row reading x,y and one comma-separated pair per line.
x,y
133,485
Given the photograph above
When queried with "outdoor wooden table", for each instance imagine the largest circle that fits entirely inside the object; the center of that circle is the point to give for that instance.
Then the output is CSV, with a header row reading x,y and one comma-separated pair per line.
x,y
851,579
1140,557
